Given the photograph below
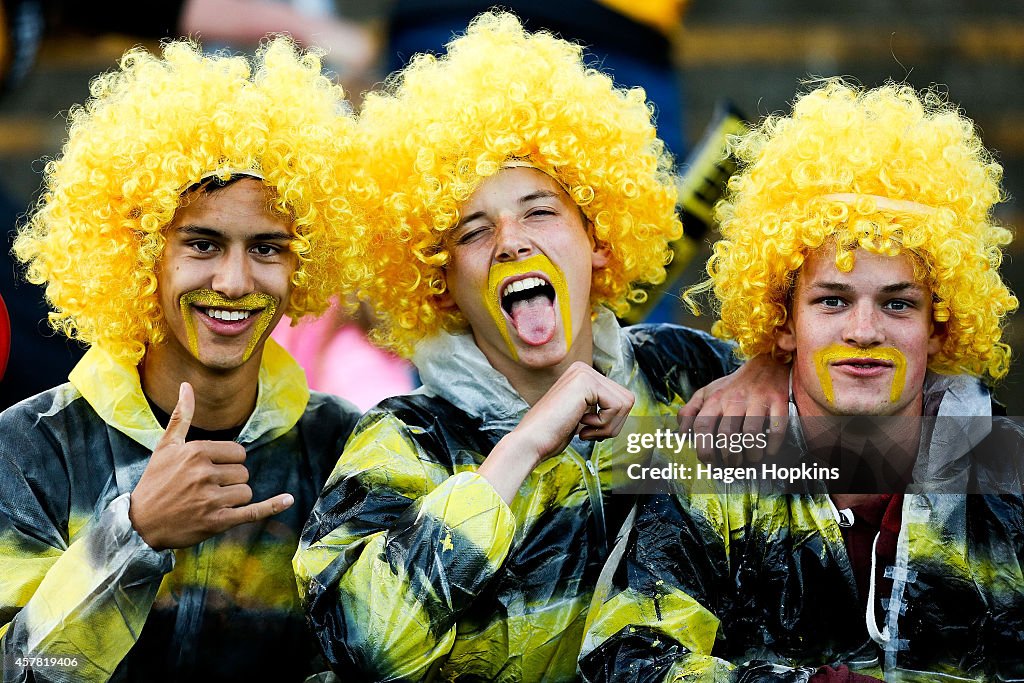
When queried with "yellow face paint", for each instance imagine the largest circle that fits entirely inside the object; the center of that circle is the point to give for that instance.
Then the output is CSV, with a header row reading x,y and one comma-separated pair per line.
x,y
836,352
207,298
535,264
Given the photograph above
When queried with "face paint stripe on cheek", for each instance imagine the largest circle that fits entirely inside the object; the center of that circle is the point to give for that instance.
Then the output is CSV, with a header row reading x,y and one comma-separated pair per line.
x,y
535,264
207,298
824,358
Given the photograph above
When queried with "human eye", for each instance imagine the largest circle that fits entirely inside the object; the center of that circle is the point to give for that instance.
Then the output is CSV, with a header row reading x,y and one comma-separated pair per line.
x,y
267,250
203,247
899,305
830,302
470,234
542,211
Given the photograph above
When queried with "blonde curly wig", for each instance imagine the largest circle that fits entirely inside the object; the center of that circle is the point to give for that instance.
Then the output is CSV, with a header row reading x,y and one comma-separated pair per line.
x,y
152,129
921,181
444,124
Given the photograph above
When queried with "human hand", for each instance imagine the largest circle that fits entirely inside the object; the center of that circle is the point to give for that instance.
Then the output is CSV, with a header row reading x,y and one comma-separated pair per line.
x,y
582,401
751,401
191,491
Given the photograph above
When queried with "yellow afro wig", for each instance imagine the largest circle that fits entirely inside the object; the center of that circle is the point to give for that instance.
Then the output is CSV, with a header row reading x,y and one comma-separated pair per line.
x,y
151,130
444,124
883,169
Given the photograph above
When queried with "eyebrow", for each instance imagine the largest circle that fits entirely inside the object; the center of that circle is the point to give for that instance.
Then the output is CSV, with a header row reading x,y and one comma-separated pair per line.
x,y
200,231
539,194
525,199
887,289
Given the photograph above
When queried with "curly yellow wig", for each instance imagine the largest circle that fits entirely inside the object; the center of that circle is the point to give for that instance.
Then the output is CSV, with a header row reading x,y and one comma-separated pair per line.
x,y
151,130
884,169
444,124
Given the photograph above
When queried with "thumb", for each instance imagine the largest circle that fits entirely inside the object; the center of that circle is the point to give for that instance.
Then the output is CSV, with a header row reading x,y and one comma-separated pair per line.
x,y
181,418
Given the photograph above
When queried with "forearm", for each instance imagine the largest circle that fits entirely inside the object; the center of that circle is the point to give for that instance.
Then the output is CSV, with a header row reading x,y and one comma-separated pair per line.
x,y
86,606
508,466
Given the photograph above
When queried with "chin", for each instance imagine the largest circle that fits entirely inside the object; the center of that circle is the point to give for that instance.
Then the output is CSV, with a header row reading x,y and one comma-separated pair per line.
x,y
865,408
544,356
223,363
538,360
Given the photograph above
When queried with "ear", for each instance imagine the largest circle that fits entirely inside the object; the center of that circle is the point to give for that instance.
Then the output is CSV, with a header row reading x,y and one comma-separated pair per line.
x,y
445,301
785,335
600,256
937,334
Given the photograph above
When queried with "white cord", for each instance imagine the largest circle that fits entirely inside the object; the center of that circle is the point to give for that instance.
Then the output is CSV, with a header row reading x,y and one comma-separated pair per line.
x,y
880,637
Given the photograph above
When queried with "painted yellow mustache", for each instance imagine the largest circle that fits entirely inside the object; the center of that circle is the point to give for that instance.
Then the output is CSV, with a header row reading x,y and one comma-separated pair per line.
x,y
836,352
207,298
535,264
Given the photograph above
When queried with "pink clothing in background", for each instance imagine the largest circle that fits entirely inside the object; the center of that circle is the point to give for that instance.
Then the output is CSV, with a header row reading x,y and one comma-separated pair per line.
x,y
340,360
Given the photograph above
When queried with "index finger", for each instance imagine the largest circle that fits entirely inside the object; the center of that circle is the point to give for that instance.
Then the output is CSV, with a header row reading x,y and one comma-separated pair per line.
x,y
690,411
254,512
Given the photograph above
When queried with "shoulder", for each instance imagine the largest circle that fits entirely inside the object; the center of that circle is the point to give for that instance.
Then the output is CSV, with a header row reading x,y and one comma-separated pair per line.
x,y
999,458
59,414
328,410
320,435
434,428
679,359
47,442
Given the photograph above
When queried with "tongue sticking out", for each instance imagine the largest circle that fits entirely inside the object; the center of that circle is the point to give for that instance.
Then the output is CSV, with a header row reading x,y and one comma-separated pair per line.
x,y
534,319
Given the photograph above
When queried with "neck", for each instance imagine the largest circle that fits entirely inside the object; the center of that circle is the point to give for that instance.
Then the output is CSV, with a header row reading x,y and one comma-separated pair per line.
x,y
875,454
224,398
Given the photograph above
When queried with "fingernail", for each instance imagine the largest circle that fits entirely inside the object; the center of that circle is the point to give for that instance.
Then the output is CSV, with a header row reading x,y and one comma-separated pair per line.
x,y
288,500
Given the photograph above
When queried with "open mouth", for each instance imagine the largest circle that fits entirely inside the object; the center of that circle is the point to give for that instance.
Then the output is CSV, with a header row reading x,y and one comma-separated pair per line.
x,y
227,318
526,300
518,295
529,303
227,315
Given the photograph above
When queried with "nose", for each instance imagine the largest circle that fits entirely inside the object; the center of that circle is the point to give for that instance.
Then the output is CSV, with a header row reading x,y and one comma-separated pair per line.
x,y
863,328
233,276
511,242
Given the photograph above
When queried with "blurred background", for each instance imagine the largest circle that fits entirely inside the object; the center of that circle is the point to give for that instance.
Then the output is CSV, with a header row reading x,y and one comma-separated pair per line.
x,y
690,57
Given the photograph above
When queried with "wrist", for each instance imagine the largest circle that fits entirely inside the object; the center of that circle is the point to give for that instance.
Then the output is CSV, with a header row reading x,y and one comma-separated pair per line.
x,y
136,516
507,466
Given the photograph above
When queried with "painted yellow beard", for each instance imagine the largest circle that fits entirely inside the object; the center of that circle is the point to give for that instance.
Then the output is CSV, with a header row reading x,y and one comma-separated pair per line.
x,y
534,264
207,298
830,354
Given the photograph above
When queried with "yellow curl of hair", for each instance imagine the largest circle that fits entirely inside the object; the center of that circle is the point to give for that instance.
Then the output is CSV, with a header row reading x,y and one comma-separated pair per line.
x,y
152,129
443,124
888,142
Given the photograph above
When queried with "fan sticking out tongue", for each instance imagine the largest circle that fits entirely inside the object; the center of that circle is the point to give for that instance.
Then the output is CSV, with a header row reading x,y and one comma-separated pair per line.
x,y
534,319
528,299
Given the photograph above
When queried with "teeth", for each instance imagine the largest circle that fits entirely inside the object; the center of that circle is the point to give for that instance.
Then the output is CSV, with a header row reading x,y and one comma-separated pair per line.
x,y
226,315
525,283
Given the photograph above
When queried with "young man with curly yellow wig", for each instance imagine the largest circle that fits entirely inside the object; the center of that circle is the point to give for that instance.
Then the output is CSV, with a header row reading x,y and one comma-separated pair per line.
x,y
198,199
522,198
859,242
